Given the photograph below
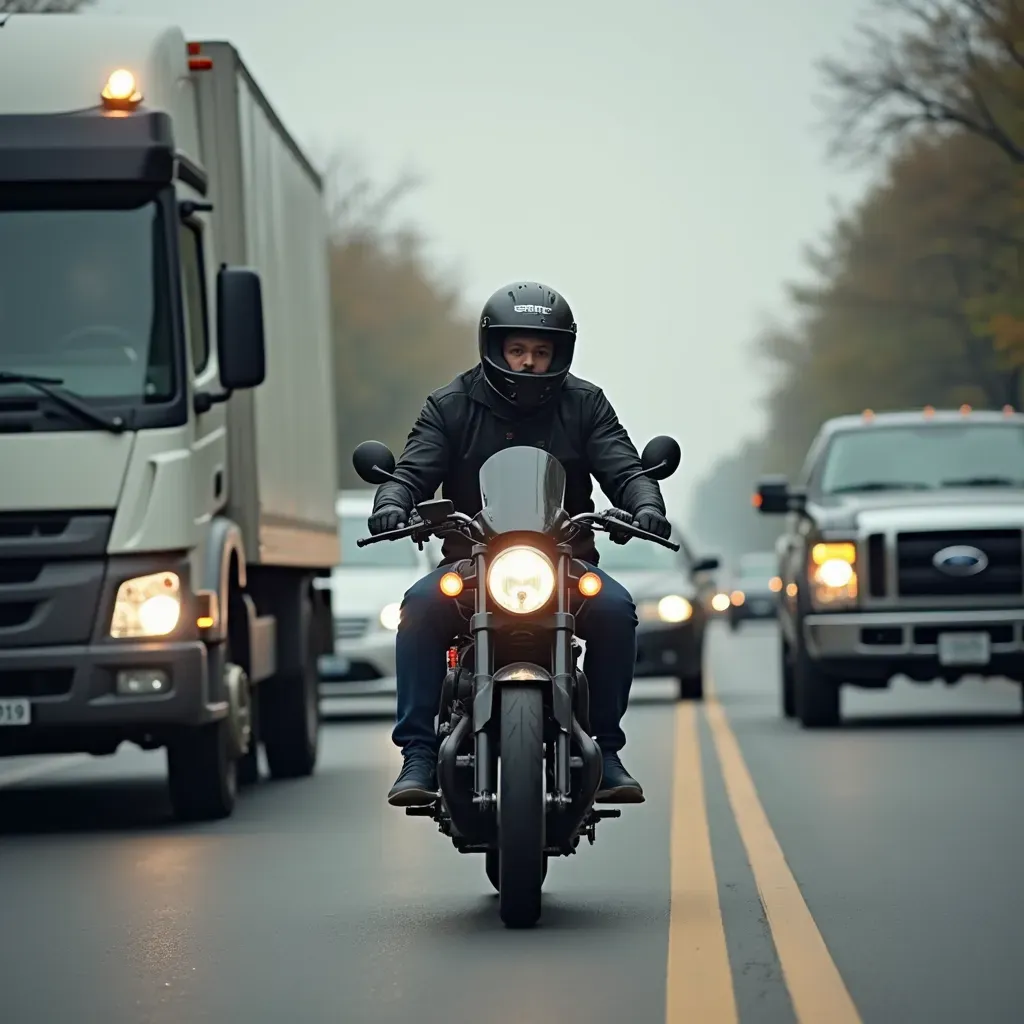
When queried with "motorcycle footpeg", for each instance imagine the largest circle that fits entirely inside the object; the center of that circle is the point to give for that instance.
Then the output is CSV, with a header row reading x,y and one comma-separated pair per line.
x,y
427,811
607,812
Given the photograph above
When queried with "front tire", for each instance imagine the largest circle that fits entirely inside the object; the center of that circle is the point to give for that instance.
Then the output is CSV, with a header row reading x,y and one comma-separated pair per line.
x,y
521,807
691,687
817,696
290,710
491,867
786,679
202,775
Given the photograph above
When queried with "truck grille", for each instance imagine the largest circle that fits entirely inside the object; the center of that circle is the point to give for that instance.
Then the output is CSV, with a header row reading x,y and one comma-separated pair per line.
x,y
918,577
350,627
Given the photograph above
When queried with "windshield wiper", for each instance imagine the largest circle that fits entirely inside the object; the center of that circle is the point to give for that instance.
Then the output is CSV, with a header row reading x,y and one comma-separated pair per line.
x,y
878,485
64,398
984,481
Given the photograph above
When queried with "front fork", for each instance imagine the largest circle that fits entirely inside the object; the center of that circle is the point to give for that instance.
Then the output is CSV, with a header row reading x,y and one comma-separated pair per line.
x,y
484,784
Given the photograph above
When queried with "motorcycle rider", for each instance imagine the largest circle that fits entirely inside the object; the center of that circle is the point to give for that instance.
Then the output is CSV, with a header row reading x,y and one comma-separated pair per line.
x,y
520,393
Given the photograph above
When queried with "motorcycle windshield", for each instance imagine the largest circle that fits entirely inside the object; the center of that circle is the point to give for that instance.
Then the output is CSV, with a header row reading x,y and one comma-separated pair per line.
x,y
522,490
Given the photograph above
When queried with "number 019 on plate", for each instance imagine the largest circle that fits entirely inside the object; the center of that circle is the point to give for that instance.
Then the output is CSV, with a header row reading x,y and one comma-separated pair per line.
x,y
15,711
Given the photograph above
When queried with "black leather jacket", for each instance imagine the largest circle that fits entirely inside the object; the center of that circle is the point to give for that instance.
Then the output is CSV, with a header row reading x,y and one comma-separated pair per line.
x,y
462,425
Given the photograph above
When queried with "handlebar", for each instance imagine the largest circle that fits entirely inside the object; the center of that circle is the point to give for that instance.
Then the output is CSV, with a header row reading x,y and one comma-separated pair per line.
x,y
459,522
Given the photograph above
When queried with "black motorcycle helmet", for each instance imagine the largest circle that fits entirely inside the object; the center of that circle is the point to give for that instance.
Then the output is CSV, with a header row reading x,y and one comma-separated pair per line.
x,y
526,308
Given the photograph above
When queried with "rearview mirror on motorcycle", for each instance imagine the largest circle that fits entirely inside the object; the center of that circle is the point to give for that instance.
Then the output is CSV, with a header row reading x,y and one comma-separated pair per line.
x,y
661,457
374,462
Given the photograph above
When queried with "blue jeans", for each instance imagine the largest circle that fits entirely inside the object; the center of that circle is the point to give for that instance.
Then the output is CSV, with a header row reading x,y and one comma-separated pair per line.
x,y
430,622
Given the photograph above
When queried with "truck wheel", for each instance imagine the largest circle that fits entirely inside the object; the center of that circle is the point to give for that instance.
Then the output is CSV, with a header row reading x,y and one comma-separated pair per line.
x,y
786,679
249,763
691,687
290,710
816,694
202,776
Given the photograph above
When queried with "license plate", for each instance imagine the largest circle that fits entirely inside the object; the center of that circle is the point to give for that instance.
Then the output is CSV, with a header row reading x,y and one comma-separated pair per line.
x,y
964,649
17,711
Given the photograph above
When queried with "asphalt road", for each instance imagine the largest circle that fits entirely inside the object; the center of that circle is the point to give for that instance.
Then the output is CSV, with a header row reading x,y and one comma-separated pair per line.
x,y
889,859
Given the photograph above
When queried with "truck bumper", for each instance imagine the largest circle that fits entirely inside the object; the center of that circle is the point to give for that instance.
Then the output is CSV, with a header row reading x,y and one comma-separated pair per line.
x,y
77,687
884,643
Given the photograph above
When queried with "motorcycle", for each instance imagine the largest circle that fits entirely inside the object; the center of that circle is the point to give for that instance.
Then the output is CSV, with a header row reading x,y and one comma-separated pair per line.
x,y
517,768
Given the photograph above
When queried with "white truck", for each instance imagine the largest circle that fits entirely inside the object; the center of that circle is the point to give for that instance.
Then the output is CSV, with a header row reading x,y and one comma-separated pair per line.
x,y
167,437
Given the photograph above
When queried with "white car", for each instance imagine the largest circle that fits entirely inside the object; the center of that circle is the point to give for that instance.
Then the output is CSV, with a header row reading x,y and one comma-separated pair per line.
x,y
366,592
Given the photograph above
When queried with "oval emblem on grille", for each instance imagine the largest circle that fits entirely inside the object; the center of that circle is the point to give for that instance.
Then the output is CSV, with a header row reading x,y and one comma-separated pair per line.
x,y
960,561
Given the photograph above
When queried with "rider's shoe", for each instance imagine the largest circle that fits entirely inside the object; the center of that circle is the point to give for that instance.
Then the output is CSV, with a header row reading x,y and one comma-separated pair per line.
x,y
617,785
416,785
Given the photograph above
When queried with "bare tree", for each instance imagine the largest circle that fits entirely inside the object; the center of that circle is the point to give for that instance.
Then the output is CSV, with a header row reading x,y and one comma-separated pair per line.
x,y
931,65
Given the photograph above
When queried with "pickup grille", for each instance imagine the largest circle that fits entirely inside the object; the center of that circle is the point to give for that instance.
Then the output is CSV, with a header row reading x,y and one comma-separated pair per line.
x,y
918,577
350,627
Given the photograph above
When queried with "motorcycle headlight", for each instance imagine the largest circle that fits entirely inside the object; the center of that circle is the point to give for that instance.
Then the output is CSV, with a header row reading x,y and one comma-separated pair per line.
x,y
147,606
521,580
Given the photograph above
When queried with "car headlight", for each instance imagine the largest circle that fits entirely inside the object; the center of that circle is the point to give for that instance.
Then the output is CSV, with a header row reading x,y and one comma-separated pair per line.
x,y
671,608
521,580
390,616
720,602
833,574
147,606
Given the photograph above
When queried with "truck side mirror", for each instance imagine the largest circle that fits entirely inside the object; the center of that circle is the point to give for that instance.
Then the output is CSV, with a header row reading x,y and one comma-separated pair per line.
x,y
241,342
772,496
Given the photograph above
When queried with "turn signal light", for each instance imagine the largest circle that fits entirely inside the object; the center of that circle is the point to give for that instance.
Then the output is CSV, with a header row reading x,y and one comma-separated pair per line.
x,y
451,584
590,584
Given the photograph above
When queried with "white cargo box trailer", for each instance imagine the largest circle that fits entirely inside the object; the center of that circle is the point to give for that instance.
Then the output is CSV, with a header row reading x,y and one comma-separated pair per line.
x,y
268,214
167,443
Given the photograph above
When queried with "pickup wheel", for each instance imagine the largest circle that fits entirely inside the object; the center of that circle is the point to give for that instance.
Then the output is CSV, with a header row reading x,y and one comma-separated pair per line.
x,y
201,773
290,710
786,682
691,687
816,694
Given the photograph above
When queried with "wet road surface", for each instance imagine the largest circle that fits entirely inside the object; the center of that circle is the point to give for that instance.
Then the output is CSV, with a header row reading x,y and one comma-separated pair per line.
x,y
888,854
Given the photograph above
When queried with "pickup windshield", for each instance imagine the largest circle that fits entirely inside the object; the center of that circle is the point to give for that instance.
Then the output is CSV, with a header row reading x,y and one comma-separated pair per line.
x,y
924,458
84,298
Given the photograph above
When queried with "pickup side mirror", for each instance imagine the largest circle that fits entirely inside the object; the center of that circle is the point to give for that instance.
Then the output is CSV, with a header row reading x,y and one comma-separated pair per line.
x,y
241,342
774,496
709,564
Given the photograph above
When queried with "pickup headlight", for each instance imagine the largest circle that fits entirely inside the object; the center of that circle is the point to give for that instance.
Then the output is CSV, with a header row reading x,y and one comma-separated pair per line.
x,y
391,616
521,580
833,574
672,608
147,606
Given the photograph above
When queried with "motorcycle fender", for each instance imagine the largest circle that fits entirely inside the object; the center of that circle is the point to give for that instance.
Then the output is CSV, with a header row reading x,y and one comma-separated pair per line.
x,y
516,674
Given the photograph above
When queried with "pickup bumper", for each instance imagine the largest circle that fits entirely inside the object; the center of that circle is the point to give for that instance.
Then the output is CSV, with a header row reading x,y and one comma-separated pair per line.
x,y
77,687
908,640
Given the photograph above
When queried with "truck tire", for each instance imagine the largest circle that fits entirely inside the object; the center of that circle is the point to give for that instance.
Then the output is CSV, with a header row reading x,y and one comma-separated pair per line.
x,y
691,687
290,709
816,694
786,679
201,774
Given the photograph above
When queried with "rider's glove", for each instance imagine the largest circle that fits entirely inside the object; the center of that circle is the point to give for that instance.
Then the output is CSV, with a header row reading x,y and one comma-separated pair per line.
x,y
651,520
618,536
386,518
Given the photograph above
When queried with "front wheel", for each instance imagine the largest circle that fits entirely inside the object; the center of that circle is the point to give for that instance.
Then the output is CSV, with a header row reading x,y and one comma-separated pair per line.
x,y
521,807
202,774
491,867
816,695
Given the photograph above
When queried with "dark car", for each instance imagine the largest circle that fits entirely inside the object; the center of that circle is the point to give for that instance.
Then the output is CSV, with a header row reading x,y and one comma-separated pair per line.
x,y
755,589
667,588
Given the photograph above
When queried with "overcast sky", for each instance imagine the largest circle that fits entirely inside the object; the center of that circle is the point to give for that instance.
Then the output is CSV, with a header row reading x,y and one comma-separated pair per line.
x,y
657,161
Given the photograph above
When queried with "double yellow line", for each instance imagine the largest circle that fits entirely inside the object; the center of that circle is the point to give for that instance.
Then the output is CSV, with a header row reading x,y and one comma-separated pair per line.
x,y
700,986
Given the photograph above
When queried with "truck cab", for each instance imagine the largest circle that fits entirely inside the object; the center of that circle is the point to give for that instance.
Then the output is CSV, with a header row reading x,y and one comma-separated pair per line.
x,y
166,417
903,553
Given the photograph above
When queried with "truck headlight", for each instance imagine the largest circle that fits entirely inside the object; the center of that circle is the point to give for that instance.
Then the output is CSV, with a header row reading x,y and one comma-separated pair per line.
x,y
672,608
521,580
147,606
833,573
391,616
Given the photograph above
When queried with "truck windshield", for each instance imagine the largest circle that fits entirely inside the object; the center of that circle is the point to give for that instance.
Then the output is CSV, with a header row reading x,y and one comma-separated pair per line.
x,y
636,556
84,298
757,567
920,458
